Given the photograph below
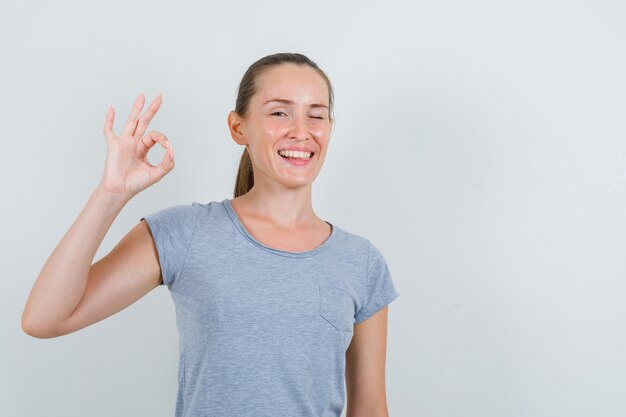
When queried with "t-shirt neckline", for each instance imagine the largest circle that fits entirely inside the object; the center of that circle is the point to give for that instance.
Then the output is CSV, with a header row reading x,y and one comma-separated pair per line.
x,y
239,225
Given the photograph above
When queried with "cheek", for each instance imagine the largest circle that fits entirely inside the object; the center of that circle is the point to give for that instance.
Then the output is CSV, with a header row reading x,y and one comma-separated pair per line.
x,y
273,125
272,130
322,130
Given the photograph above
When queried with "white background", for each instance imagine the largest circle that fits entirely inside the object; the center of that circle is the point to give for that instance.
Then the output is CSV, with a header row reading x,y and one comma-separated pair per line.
x,y
479,145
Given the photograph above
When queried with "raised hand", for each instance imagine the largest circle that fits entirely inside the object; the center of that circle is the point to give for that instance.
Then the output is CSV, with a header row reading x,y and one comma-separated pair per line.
x,y
127,170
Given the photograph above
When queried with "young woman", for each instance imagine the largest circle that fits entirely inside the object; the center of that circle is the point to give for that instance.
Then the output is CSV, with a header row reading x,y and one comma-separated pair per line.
x,y
273,304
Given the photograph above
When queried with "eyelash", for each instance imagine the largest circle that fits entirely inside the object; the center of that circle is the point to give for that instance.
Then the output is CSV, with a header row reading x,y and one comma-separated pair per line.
x,y
284,113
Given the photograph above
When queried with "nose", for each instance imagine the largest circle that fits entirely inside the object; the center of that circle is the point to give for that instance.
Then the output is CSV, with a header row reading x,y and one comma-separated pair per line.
x,y
299,129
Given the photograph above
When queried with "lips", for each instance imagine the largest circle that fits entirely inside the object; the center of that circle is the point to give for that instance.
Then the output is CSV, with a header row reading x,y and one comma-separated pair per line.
x,y
296,161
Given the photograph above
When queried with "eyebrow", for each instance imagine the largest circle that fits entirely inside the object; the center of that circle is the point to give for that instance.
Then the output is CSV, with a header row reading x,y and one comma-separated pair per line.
x,y
285,101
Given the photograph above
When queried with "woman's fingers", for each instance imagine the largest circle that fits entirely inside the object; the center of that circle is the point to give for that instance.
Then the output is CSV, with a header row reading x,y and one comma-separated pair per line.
x,y
166,165
152,138
133,118
146,118
135,125
108,124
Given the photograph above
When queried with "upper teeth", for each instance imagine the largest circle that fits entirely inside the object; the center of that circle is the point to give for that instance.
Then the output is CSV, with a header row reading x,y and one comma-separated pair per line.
x,y
295,154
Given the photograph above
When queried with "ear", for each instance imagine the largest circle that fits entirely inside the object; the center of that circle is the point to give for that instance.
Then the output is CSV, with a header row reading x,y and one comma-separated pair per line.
x,y
234,126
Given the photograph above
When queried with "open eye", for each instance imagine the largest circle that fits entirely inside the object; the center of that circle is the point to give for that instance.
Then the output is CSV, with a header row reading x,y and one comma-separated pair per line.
x,y
277,112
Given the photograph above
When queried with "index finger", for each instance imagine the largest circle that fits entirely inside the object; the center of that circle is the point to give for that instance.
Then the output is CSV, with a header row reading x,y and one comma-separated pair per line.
x,y
146,118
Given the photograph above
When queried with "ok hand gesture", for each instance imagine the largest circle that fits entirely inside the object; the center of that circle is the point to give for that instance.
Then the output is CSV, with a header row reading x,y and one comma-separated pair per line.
x,y
127,169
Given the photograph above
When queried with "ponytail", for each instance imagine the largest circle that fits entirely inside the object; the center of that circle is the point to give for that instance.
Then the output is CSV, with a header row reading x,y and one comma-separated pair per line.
x,y
245,175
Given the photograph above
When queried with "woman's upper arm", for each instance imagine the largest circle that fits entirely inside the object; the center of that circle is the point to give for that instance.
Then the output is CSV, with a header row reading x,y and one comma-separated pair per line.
x,y
366,355
365,367
128,272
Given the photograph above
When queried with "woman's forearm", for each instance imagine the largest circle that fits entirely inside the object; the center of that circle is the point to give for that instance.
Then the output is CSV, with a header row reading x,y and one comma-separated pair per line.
x,y
62,281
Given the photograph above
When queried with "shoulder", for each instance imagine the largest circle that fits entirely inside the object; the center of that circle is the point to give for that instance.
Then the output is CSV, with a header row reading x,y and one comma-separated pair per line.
x,y
357,245
349,240
175,215
172,230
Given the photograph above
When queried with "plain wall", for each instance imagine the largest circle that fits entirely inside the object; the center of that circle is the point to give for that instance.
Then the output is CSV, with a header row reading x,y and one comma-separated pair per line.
x,y
480,145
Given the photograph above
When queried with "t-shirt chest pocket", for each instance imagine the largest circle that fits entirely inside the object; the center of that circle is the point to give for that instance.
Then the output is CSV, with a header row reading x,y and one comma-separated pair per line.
x,y
337,307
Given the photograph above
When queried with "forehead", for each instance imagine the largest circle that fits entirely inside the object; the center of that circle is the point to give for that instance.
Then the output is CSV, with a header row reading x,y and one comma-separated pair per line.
x,y
299,83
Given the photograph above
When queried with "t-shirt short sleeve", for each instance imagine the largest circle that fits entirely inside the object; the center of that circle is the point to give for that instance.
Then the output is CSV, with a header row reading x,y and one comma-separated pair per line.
x,y
379,286
172,229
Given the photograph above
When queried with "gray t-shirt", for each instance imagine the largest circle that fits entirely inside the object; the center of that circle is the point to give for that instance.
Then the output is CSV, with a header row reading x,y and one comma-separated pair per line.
x,y
262,331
